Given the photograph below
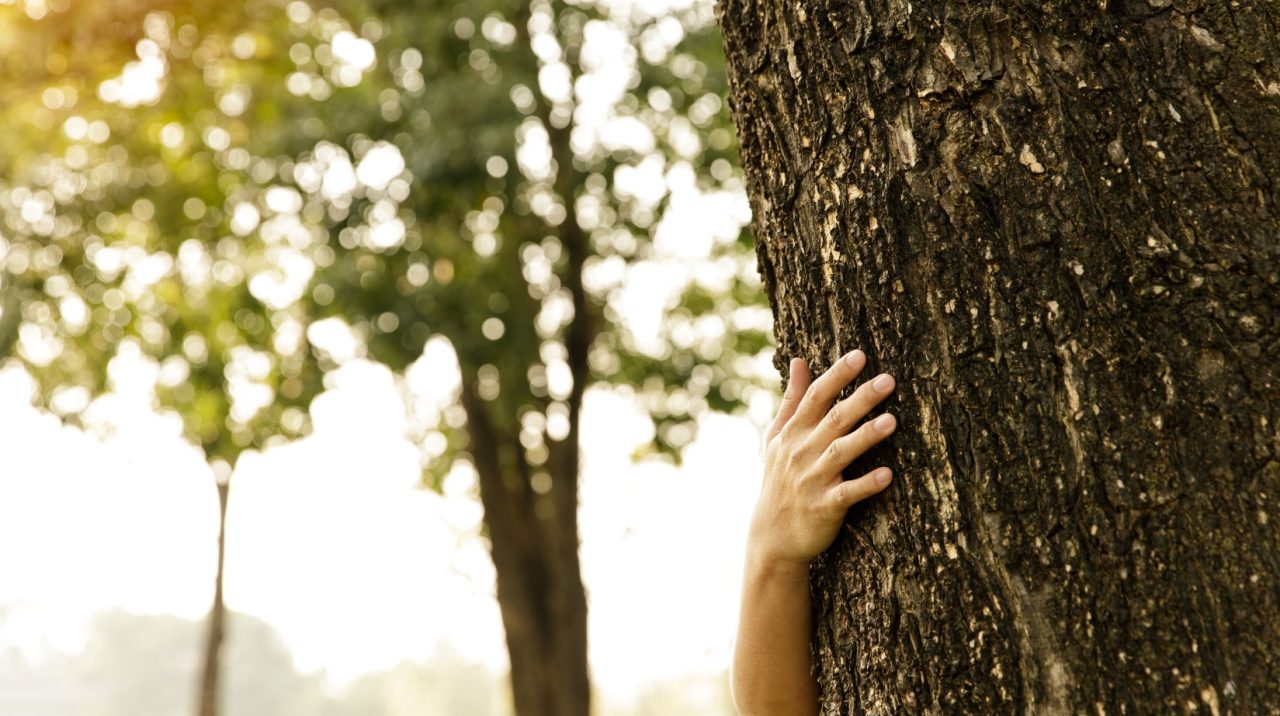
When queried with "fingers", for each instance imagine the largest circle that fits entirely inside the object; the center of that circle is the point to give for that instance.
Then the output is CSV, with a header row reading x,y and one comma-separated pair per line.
x,y
851,492
845,450
817,400
797,384
849,411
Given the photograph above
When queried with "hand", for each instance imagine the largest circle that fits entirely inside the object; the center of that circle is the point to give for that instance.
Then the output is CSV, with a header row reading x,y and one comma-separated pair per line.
x,y
804,498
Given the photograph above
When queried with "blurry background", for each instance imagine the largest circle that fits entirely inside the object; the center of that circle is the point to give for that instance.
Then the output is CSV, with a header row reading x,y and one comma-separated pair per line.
x,y
276,245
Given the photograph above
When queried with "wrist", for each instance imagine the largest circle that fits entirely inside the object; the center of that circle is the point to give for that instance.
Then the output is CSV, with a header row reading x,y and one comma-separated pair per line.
x,y
765,564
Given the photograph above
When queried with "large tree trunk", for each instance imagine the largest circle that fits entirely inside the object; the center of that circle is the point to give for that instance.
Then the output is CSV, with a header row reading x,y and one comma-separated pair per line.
x,y
215,633
1057,223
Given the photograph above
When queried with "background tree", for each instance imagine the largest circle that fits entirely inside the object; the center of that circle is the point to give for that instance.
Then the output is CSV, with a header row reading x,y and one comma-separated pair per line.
x,y
245,196
1057,223
144,665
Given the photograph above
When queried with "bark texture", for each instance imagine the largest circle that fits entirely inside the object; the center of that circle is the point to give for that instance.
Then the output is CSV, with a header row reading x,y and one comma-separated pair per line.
x,y
1057,223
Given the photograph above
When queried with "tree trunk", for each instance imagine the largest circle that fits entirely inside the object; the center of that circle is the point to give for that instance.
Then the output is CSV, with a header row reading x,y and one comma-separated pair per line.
x,y
533,533
1057,224
534,537
534,544
211,668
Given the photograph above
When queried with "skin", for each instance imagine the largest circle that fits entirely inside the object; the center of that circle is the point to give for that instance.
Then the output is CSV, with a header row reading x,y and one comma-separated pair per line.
x,y
801,507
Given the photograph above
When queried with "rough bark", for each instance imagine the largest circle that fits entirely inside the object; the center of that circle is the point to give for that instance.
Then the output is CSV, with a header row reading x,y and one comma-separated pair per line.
x,y
1057,223
215,633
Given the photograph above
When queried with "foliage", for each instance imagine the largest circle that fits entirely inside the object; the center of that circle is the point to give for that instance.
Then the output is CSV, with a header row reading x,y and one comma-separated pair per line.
x,y
252,194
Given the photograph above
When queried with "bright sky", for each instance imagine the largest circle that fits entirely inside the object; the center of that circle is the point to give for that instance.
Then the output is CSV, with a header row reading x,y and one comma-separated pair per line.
x,y
331,543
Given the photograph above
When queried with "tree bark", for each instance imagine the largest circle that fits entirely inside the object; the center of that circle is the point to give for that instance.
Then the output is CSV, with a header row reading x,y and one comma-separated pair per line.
x,y
215,634
1057,224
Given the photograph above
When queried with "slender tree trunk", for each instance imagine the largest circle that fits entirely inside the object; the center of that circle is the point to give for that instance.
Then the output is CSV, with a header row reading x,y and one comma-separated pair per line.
x,y
211,668
534,543
1057,223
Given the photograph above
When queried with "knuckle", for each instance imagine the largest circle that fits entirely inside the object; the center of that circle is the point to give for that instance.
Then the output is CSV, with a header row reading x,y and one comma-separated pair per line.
x,y
850,493
836,452
790,456
842,493
786,433
811,391
841,372
862,399
866,434
835,418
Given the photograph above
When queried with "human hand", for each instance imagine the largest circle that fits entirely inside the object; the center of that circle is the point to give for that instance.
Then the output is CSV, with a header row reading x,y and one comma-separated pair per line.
x,y
804,498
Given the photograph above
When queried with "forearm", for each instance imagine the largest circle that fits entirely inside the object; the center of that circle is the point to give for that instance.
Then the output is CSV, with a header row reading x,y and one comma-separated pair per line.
x,y
771,663
804,499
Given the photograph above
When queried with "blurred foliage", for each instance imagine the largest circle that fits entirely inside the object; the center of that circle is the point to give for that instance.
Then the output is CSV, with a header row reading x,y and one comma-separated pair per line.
x,y
247,195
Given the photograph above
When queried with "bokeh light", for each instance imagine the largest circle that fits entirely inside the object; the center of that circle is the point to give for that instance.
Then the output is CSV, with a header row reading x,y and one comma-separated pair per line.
x,y
270,245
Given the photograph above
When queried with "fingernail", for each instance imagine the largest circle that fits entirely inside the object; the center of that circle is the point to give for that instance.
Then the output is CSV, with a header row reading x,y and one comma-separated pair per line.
x,y
854,356
884,476
883,384
884,422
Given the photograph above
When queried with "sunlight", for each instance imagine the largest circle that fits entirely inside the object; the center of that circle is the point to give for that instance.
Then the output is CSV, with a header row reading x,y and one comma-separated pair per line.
x,y
140,82
382,163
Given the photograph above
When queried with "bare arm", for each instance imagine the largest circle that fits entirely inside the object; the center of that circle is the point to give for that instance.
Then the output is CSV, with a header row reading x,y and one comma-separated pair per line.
x,y
801,507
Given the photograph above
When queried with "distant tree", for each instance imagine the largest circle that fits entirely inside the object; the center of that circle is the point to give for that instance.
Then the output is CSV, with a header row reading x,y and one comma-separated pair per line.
x,y
219,188
142,665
